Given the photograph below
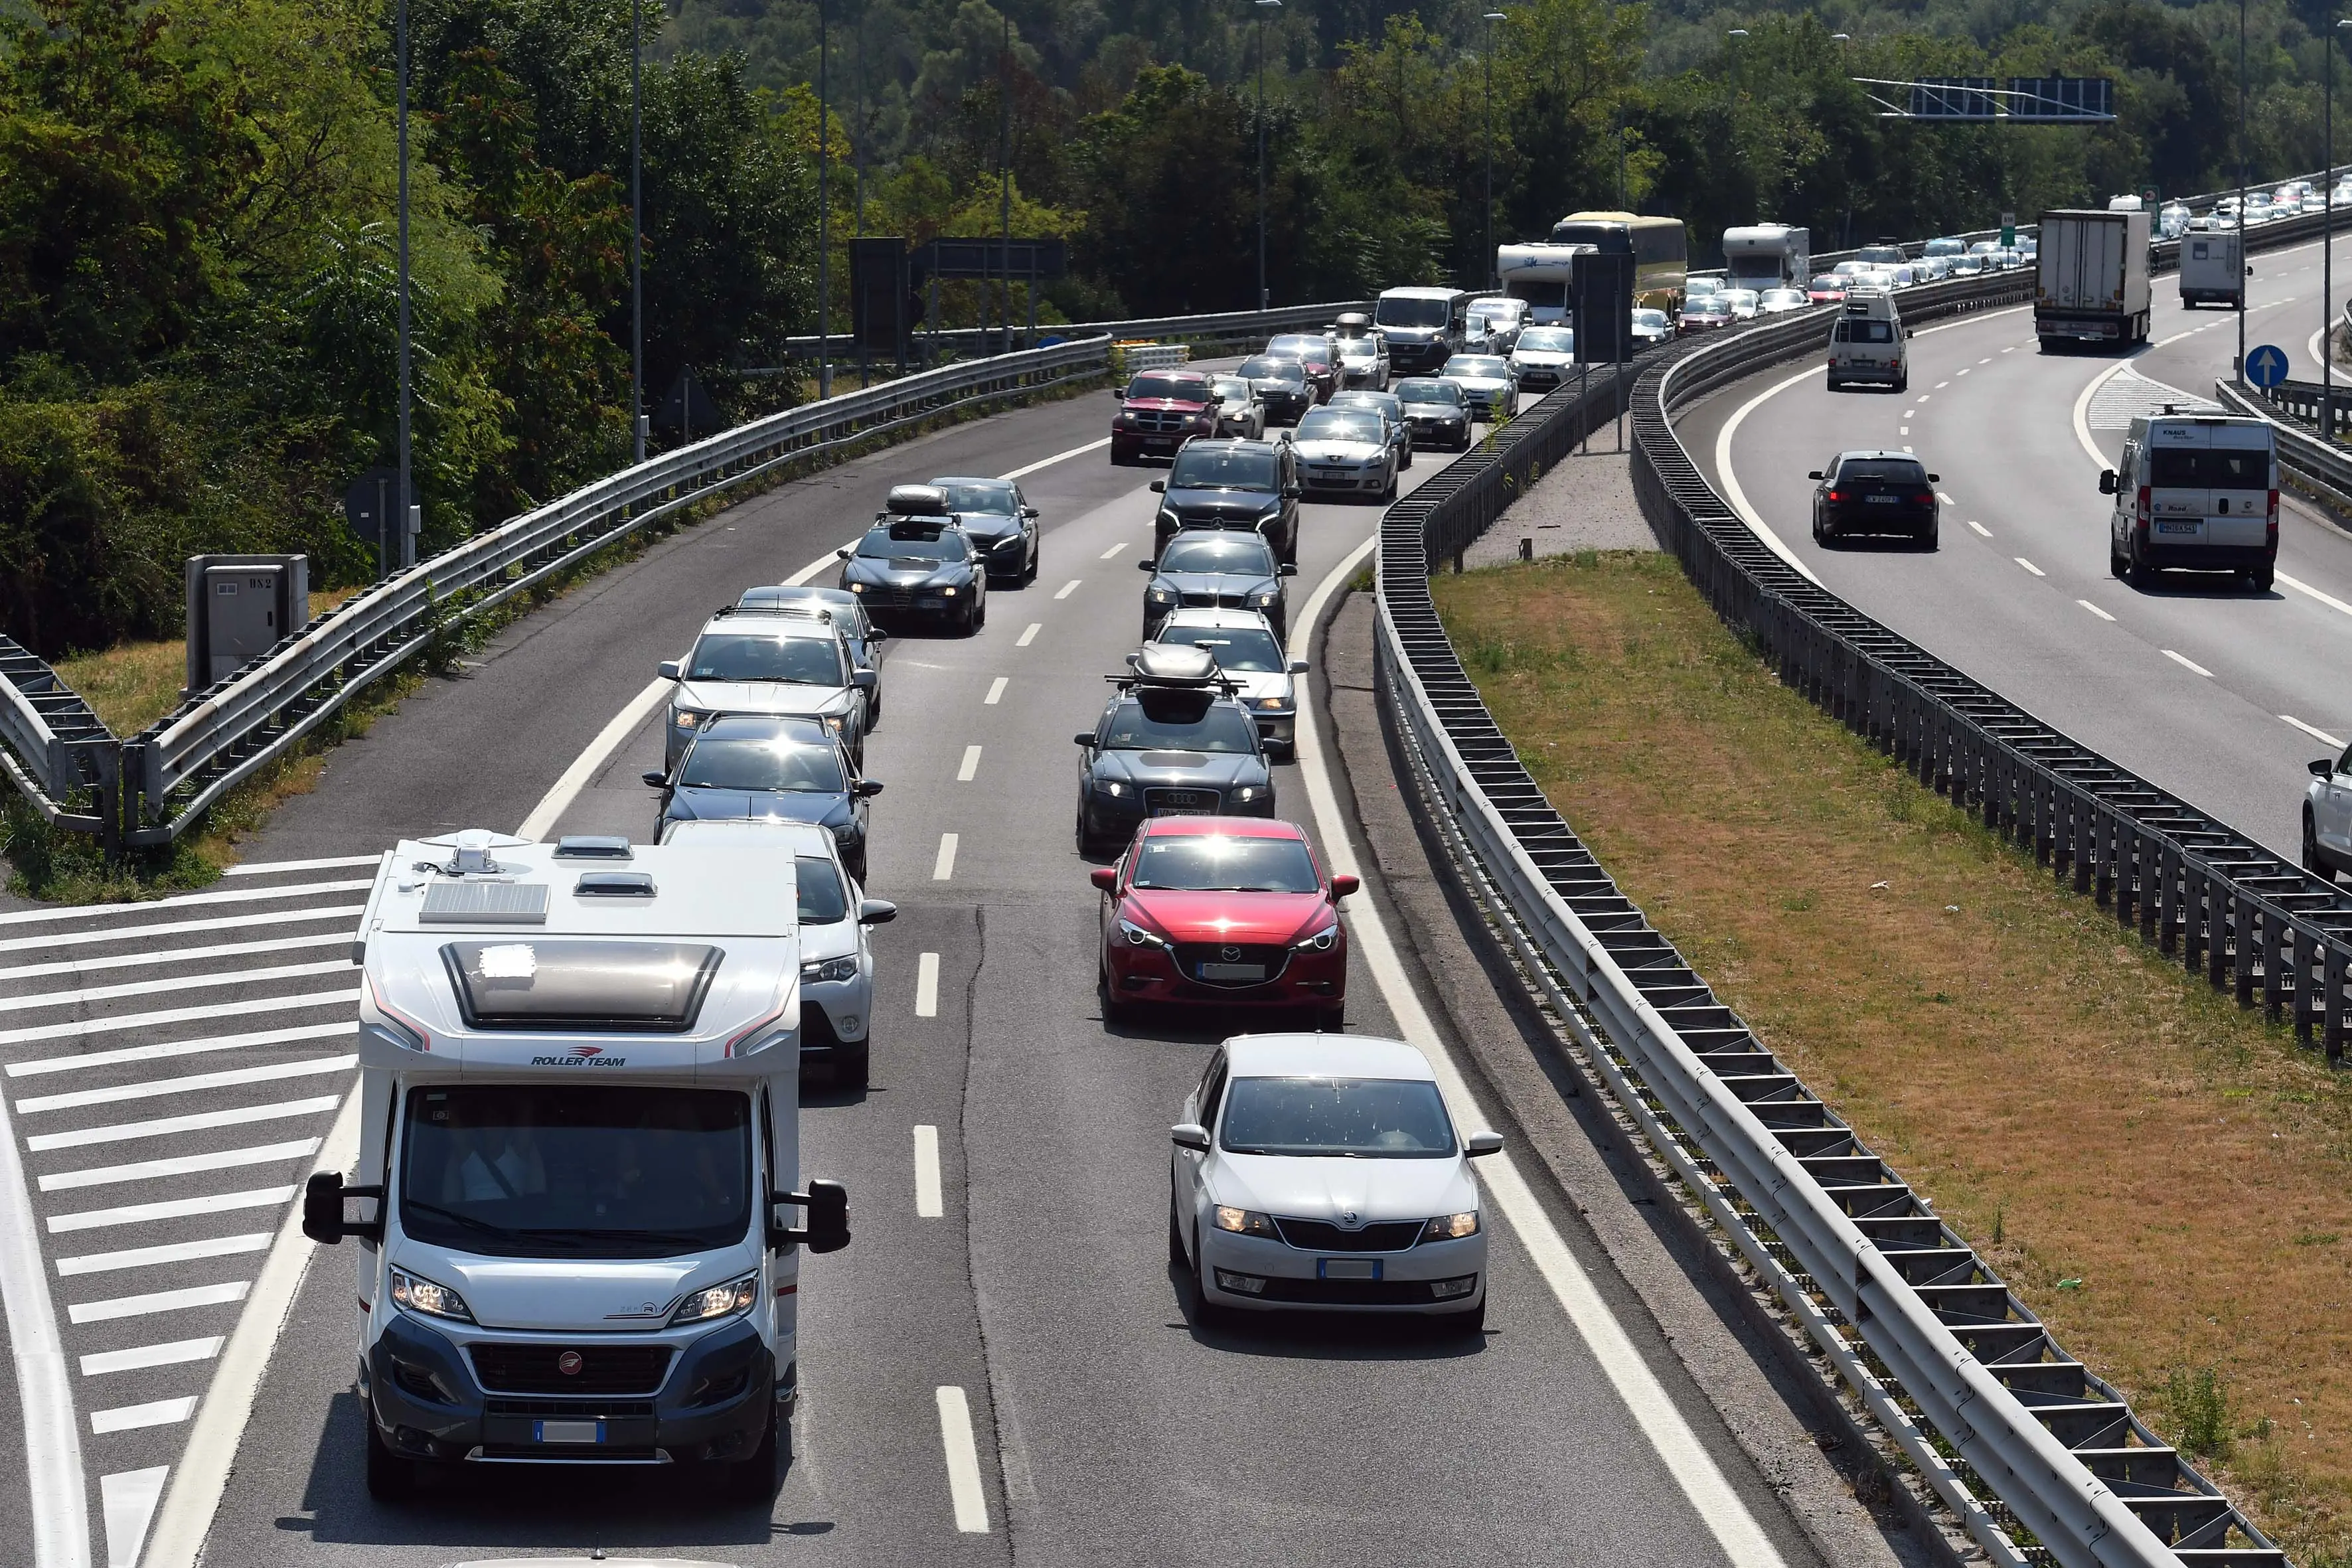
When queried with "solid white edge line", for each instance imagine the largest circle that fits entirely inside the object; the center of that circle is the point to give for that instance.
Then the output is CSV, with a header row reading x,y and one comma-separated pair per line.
x,y
1023,473
2186,663
1732,491
926,985
2322,736
558,799
926,1173
962,1453
53,1469
2094,609
2300,586
1711,1496
197,1487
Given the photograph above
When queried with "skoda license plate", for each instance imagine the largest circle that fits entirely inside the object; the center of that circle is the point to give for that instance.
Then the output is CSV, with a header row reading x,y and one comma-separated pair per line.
x,y
1348,1268
567,1431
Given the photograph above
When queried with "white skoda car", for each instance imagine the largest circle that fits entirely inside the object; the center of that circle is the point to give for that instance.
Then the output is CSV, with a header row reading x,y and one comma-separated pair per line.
x,y
1324,1173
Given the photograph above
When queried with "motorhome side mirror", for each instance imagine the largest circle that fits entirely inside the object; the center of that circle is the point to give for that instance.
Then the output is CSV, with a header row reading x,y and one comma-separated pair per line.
x,y
323,1210
877,912
1106,878
1158,487
2106,481
2322,768
1085,738
870,787
1813,474
670,669
1147,566
653,780
827,1204
1343,885
1190,1135
1480,1144
1297,667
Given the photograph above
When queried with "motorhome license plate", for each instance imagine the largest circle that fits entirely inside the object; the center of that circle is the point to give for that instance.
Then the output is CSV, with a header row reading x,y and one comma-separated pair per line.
x,y
568,1431
1348,1268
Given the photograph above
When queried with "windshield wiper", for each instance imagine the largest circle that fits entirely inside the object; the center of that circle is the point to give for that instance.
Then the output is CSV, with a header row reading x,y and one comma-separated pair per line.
x,y
469,1220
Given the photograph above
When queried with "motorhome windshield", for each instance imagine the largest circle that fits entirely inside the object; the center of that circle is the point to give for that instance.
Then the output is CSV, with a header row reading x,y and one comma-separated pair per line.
x,y
513,983
585,1171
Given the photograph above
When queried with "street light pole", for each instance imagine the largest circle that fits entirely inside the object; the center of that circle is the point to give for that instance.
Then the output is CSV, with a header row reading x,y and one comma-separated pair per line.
x,y
823,216
636,238
2327,255
1262,7
1005,179
1490,20
408,511
2241,194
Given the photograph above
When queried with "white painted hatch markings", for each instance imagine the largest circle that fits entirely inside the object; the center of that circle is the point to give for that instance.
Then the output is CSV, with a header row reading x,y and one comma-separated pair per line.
x,y
159,1301
1113,551
160,1413
194,1121
943,867
964,1461
151,1089
179,1015
138,1358
169,1208
2322,736
187,1164
1981,527
128,1501
272,868
181,900
926,985
175,983
157,958
996,688
1026,638
165,1049
927,1173
2029,565
1068,588
971,764
2094,609
168,1252
178,928
2190,665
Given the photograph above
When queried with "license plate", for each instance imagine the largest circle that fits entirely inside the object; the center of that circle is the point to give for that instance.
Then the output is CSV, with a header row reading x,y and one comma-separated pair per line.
x,y
1182,811
567,1431
1233,971
1883,501
1348,1268
2176,528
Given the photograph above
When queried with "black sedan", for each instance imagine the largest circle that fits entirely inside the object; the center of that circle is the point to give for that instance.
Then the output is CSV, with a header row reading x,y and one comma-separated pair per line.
x,y
1174,740
1282,385
1000,522
1874,492
917,568
746,767
1435,412
1204,568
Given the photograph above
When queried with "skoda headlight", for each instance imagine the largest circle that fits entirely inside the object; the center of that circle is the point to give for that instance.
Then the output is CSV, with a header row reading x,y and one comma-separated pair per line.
x,y
687,718
1451,1226
1269,704
1318,942
829,971
1138,937
424,1296
947,592
725,1301
1242,1222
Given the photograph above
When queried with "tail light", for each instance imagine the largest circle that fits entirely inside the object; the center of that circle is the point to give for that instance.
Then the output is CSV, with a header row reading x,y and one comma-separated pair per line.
x,y
2147,504
2274,508
1837,495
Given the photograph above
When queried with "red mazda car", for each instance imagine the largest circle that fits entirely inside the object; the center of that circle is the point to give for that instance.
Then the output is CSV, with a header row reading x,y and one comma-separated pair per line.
x,y
1223,911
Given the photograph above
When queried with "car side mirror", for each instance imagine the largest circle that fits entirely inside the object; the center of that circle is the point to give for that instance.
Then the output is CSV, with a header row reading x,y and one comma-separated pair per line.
x,y
1190,1135
1030,512
653,780
670,669
1147,566
870,787
1291,493
1104,877
877,637
1935,478
1085,738
828,1228
2106,481
1297,667
1158,487
1910,331
323,1210
1344,885
866,679
1480,1144
2322,768
1289,569
1813,474
844,554
877,911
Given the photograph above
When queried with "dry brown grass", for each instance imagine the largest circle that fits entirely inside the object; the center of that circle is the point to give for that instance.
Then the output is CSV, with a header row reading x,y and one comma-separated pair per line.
x,y
132,684
2161,1177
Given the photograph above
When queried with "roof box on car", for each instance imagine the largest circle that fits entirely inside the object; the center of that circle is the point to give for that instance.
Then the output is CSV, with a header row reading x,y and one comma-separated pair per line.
x,y
917,501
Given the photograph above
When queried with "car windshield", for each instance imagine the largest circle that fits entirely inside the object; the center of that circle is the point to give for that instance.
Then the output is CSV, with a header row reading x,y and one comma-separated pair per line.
x,y
1405,310
1700,288
1429,392
1216,862
716,762
1340,424
1784,297
1183,388
1245,650
1313,351
1213,549
1266,368
1232,388
582,1171
1223,469
1477,365
824,900
1338,1118
738,656
1357,348
1829,281
1737,297
1865,332
1893,471
910,544
1557,340
969,495
1180,722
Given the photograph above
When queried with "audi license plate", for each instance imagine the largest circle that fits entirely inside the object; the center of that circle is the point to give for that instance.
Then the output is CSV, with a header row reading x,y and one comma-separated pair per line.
x,y
1233,970
1347,1267
2176,528
567,1431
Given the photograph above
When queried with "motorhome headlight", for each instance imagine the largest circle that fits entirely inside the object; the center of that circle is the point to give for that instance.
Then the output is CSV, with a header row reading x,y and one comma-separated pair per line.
x,y
717,1301
418,1295
829,971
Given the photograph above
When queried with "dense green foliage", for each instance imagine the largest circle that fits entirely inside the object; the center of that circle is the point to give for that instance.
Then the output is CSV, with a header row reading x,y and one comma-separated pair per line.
x,y
198,298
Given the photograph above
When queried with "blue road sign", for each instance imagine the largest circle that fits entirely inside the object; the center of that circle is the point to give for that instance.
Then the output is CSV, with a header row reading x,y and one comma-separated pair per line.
x,y
2266,366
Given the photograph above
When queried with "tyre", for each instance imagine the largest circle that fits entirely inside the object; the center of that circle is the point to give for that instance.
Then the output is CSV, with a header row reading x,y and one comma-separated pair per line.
x,y
1903,383
1119,459
1114,1011
753,1479
1408,457
853,1067
1085,844
2117,566
2260,578
1837,385
1175,1232
854,863
1818,537
1927,539
1332,1019
389,1478
1036,564
2312,862
1389,493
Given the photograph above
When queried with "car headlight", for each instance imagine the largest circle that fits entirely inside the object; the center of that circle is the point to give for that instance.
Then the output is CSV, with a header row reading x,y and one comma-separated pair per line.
x,y
424,1296
1113,788
837,723
1242,1222
687,718
1248,793
1264,598
1161,596
857,587
829,971
1318,942
848,832
725,1301
1138,937
1269,704
1451,1226
947,592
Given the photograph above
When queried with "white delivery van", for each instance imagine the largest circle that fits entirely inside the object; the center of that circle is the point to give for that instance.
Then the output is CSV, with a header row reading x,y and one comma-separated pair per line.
x,y
2195,491
2212,270
579,1159
1867,343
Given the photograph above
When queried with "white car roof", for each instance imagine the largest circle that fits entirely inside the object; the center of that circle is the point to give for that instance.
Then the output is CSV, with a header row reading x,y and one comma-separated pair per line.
x,y
1216,619
760,834
1323,1056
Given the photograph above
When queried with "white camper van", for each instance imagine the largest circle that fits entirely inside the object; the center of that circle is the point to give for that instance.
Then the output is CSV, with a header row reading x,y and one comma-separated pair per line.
x,y
579,1159
2196,491
1866,342
2212,270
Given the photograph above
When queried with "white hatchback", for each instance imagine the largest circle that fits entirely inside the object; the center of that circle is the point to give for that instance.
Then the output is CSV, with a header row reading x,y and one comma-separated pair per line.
x,y
1323,1173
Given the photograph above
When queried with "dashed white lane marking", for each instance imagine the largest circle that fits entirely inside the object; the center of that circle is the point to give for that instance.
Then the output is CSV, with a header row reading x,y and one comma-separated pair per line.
x,y
169,1208
158,958
1906,430
996,688
926,985
2190,665
128,1501
1925,396
964,1461
271,868
1981,527
1068,588
1023,473
1941,385
175,983
1027,637
943,867
167,1252
2029,565
1987,360
1113,551
180,928
159,1301
185,1164
971,764
139,1357
183,900
2010,350
1945,498
194,1121
1962,371
2094,609
2300,586
129,1417
149,1089
927,1173
40,1065
84,1026
2317,734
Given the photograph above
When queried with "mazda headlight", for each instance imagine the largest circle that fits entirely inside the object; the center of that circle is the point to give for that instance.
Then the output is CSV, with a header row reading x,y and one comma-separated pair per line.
x,y
1242,1222
1137,937
1451,1226
725,1301
1320,940
829,971
418,1295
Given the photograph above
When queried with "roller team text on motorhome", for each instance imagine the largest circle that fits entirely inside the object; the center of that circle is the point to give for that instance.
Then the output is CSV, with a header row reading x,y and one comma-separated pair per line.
x,y
579,1159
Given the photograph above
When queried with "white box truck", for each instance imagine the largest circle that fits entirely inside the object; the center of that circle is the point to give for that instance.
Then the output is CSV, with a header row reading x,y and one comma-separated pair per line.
x,y
2212,271
2093,283
579,1159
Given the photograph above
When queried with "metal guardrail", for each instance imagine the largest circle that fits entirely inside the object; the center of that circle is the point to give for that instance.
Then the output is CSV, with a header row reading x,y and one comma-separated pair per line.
x,y
2310,464
2042,1461
51,745
1233,326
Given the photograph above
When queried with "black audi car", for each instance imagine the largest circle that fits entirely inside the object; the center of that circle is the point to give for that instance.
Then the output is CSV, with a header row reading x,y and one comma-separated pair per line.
x,y
1174,740
1231,484
1204,569
744,767
1282,385
916,565
1000,522
1874,492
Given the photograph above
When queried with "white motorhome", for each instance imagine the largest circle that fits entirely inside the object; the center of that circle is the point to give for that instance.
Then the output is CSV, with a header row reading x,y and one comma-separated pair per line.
x,y
579,1158
1769,255
2196,491
2212,270
1542,275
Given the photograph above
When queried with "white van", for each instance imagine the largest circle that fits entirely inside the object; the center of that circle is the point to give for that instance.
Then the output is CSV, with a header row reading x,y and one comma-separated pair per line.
x,y
2212,272
579,1141
1867,343
2196,491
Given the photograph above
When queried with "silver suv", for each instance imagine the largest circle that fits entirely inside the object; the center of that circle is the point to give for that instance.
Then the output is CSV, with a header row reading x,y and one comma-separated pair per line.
x,y
787,662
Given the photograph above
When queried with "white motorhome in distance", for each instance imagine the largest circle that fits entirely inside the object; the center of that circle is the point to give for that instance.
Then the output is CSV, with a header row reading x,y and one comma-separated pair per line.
x,y
579,1109
1542,275
1767,256
2212,271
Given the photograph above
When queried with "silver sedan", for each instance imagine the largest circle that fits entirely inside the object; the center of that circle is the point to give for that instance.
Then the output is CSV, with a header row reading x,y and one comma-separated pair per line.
x,y
1488,384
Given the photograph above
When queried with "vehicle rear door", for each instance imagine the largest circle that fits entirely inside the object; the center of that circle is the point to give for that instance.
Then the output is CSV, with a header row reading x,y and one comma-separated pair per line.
x,y
2237,486
2179,501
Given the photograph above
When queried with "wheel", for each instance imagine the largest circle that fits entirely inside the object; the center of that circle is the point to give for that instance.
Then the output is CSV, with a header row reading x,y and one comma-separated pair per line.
x,y
753,1479
1390,494
1119,459
1085,844
1114,1011
2118,567
2259,578
1036,564
1903,383
854,863
851,1066
389,1478
1928,538
1408,457
1175,1232
1837,385
1818,537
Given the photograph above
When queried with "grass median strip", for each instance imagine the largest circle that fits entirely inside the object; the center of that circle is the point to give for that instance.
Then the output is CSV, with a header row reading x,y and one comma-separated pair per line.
x,y
2162,1177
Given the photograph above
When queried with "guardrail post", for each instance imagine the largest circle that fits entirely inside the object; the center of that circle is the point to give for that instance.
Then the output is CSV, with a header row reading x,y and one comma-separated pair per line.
x,y
2193,893
2273,964
2242,943
2331,1003
2168,892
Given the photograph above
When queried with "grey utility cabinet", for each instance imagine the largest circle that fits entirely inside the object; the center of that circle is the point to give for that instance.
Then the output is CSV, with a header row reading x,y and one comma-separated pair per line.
x,y
240,606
